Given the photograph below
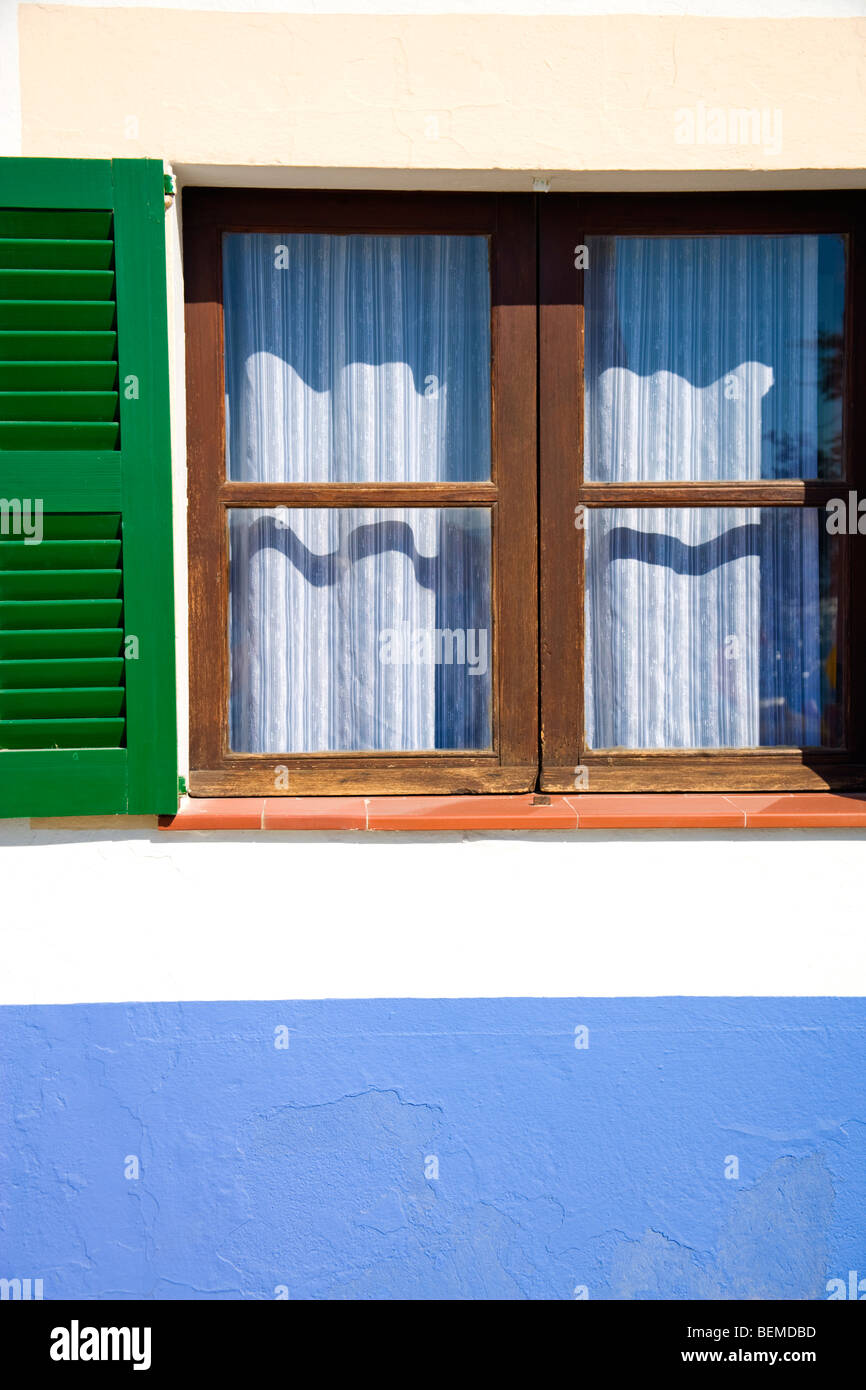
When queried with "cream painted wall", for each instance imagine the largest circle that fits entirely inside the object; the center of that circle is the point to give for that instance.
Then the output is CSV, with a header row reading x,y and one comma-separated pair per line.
x,y
462,94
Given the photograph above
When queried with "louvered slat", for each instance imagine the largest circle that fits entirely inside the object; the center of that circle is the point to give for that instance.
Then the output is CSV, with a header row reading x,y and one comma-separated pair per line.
x,y
54,253
58,614
60,644
29,584
51,315
58,345
80,224
61,733
57,406
67,346
86,702
56,284
37,376
61,639
57,434
64,673
71,552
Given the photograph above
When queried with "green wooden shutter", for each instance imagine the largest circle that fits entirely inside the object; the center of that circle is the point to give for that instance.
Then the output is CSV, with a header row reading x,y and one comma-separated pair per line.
x,y
87,685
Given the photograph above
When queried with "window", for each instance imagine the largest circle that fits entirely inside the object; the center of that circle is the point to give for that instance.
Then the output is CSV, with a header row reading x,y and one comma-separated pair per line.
x,y
362,492
701,628
363,517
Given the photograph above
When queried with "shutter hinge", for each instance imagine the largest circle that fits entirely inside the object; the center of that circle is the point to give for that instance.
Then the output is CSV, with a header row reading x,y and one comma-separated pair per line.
x,y
169,186
181,786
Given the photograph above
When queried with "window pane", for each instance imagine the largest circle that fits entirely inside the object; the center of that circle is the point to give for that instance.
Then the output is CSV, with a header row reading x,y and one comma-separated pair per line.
x,y
357,358
714,358
360,629
712,628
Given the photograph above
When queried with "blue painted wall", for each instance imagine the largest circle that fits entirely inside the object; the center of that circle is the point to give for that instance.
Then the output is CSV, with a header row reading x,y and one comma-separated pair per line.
x,y
311,1166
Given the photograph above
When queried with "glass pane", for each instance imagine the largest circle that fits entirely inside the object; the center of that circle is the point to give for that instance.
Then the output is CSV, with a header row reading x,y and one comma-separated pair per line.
x,y
712,628
360,629
356,358
714,358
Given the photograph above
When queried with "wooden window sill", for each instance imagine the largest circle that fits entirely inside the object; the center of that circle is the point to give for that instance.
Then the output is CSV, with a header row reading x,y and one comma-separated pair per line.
x,y
628,811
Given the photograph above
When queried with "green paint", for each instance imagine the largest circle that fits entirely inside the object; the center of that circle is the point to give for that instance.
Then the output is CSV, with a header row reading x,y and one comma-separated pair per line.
x,y
59,782
145,441
84,426
88,481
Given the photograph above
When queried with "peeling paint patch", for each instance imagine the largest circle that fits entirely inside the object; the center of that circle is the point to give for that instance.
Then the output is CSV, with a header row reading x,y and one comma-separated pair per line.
x,y
773,1244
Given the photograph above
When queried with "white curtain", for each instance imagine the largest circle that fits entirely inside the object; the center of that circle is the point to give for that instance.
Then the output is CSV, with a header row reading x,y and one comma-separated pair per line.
x,y
702,363
359,629
358,359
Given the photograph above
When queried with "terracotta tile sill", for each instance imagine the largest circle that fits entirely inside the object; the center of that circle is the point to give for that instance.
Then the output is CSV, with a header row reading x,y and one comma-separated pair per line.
x,y
633,811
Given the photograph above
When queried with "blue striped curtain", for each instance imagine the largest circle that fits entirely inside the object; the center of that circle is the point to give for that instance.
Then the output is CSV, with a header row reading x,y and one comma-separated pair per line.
x,y
358,359
704,362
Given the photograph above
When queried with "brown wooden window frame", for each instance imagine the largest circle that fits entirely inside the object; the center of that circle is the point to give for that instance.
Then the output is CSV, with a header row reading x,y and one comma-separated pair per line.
x,y
565,222
536,484
508,221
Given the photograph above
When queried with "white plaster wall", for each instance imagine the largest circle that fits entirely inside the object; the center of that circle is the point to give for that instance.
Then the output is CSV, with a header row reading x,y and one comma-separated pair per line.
x,y
148,915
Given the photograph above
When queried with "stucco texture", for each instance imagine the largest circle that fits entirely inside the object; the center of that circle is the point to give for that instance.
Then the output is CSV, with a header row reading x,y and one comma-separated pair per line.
x,y
307,1170
478,93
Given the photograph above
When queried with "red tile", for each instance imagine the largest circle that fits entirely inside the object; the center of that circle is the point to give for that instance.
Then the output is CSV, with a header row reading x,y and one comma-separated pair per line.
x,y
615,811
802,810
497,812
315,813
661,811
216,813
